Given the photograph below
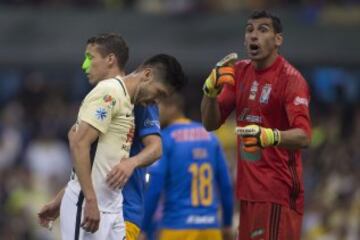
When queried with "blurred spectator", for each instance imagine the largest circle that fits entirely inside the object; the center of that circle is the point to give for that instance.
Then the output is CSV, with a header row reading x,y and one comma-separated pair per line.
x,y
48,158
10,135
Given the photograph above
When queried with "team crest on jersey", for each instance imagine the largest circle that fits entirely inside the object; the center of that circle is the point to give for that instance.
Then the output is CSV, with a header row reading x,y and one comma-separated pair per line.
x,y
265,94
109,101
101,113
253,90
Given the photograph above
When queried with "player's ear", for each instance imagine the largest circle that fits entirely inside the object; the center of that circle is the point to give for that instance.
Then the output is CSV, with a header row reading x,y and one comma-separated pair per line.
x,y
278,40
147,74
111,59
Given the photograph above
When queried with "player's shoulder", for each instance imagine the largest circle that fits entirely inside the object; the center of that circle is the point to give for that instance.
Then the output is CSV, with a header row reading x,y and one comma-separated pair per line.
x,y
242,63
290,72
112,85
140,109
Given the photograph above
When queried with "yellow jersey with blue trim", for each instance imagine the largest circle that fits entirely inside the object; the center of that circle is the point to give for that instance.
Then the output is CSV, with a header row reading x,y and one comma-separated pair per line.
x,y
107,108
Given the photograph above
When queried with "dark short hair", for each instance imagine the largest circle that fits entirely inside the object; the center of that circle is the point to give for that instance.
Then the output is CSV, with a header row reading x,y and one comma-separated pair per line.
x,y
264,14
112,43
169,68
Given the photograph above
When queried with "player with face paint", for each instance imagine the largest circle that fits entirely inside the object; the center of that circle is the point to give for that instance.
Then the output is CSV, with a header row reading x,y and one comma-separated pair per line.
x,y
100,142
271,101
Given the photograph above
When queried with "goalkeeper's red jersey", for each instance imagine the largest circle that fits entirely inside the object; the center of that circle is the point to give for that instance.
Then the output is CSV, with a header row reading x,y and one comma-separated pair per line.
x,y
276,97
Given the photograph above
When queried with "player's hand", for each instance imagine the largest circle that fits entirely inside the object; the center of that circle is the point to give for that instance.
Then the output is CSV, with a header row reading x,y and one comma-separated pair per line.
x,y
221,74
227,233
91,219
254,136
49,213
120,174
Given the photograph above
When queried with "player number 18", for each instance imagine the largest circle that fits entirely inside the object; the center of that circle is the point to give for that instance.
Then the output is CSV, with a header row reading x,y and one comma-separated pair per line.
x,y
201,184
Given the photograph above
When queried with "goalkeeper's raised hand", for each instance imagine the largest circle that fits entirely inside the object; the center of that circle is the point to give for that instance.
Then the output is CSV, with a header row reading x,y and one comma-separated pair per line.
x,y
254,136
221,74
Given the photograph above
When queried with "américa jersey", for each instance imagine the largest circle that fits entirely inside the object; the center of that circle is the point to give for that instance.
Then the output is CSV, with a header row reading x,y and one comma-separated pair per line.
x,y
107,108
194,179
276,97
146,123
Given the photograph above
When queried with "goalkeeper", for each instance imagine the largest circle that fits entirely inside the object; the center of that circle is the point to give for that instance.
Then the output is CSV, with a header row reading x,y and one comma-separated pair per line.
x,y
271,101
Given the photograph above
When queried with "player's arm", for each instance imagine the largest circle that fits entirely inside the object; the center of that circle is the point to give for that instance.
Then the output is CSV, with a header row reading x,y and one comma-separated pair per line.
x,y
51,210
226,193
151,152
149,132
80,145
294,139
148,129
220,76
210,113
120,174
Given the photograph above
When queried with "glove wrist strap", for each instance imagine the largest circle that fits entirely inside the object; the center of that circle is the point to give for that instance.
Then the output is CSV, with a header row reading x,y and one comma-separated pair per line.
x,y
208,93
277,137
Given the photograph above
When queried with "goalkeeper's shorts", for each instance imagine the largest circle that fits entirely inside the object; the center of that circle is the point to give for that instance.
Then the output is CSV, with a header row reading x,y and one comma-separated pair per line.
x,y
268,221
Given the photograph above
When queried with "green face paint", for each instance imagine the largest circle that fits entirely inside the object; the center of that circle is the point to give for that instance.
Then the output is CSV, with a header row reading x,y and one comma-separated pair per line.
x,y
86,64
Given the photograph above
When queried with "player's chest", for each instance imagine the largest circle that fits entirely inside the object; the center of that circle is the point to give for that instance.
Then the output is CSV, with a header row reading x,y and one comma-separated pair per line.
x,y
258,98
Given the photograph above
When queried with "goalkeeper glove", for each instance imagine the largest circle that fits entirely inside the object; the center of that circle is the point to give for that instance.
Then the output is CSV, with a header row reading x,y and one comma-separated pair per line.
x,y
221,74
254,136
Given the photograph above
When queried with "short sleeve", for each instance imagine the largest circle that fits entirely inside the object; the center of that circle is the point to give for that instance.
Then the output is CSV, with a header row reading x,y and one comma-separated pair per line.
x,y
226,101
147,120
297,100
98,107
160,166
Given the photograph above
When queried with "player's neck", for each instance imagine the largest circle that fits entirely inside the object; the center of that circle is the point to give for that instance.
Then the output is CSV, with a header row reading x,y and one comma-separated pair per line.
x,y
180,118
265,63
114,73
131,84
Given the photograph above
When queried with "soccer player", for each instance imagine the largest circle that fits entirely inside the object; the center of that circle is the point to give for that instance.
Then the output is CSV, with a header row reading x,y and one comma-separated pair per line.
x,y
145,149
105,121
271,102
193,177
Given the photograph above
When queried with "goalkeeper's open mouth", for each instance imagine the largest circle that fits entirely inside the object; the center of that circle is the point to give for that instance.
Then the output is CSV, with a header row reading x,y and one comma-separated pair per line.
x,y
253,49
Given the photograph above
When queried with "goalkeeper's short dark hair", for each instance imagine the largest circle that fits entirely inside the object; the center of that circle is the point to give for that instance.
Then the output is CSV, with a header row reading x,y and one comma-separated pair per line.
x,y
112,43
276,22
170,70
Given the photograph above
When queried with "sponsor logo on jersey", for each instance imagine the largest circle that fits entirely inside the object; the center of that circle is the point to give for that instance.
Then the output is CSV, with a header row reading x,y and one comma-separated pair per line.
x,y
101,113
194,219
257,232
243,114
253,118
253,90
151,123
265,94
301,101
